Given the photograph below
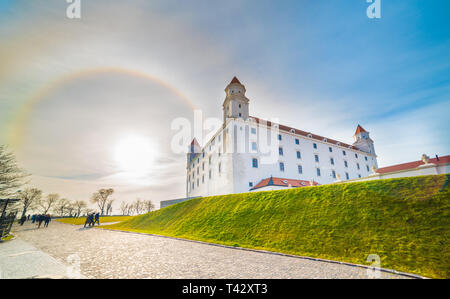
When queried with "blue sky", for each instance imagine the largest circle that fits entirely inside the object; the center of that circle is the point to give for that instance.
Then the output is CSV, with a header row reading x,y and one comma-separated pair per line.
x,y
321,66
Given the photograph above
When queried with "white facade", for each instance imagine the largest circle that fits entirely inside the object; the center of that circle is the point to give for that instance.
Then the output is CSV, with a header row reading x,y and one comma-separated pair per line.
x,y
239,156
432,167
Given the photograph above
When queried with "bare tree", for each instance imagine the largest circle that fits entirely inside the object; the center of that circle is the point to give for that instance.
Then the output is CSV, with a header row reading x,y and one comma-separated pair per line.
x,y
138,206
123,208
11,175
101,197
49,201
30,198
130,209
149,206
61,206
70,208
109,207
79,206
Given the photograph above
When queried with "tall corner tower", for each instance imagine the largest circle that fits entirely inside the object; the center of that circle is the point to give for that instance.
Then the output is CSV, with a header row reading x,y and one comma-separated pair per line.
x,y
236,103
363,141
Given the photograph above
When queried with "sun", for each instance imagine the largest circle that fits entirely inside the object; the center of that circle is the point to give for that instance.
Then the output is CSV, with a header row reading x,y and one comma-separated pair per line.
x,y
135,154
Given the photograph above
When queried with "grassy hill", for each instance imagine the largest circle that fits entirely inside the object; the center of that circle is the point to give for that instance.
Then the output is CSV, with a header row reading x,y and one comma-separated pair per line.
x,y
405,221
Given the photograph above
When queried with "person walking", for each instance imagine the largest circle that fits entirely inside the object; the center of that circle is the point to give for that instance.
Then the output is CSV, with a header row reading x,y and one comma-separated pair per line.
x,y
47,220
88,220
40,219
97,219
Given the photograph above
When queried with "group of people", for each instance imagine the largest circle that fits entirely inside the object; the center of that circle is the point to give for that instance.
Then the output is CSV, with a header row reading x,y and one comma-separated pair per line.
x,y
92,219
37,218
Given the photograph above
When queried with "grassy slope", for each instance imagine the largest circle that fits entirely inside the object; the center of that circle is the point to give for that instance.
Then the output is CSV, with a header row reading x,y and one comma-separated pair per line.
x,y
82,220
405,221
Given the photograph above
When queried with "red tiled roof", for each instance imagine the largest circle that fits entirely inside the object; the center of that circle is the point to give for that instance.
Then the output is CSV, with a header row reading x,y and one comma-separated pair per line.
x,y
283,183
360,129
235,80
302,133
412,165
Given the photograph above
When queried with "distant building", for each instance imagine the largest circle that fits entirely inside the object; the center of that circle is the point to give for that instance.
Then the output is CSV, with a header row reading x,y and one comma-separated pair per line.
x,y
233,161
166,203
426,166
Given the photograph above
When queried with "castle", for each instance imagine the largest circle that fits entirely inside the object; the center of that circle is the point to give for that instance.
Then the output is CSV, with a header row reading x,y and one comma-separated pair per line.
x,y
250,154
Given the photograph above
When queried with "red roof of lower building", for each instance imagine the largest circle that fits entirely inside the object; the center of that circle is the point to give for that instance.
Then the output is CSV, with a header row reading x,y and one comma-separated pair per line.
x,y
283,183
412,165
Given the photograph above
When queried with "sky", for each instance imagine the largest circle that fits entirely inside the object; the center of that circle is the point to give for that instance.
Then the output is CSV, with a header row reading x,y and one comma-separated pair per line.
x,y
74,91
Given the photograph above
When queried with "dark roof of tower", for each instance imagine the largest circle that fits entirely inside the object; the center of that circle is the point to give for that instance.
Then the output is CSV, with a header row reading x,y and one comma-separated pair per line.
x,y
235,80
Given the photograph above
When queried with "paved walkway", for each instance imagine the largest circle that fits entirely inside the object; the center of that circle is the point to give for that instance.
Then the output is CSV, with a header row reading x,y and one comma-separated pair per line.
x,y
112,254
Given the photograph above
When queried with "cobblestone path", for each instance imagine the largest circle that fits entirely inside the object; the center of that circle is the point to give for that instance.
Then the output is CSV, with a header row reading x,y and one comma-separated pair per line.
x,y
113,254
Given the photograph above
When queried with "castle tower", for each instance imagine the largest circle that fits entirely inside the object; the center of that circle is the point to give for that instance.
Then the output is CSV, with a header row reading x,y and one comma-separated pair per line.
x,y
194,149
236,103
363,141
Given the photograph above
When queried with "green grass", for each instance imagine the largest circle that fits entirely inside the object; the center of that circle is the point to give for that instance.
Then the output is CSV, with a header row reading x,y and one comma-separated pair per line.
x,y
405,221
7,238
82,220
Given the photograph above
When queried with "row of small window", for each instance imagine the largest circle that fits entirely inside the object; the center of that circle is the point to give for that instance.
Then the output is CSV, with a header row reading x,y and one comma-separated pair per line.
x,y
203,178
300,169
210,171
203,164
297,142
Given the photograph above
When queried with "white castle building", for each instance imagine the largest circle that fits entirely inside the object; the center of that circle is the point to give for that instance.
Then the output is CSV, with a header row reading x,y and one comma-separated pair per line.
x,y
250,154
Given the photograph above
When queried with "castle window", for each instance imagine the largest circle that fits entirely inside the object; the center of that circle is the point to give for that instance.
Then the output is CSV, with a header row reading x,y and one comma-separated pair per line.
x,y
254,146
203,166
356,156
281,166
253,130
310,135
359,175
367,167
300,169
297,141
240,114
255,163
333,173
345,164
292,131
315,145
279,137
318,171
316,158
332,161
220,167
344,153
365,158
357,166
250,184
203,179
299,155
239,105
330,149
280,151
347,176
